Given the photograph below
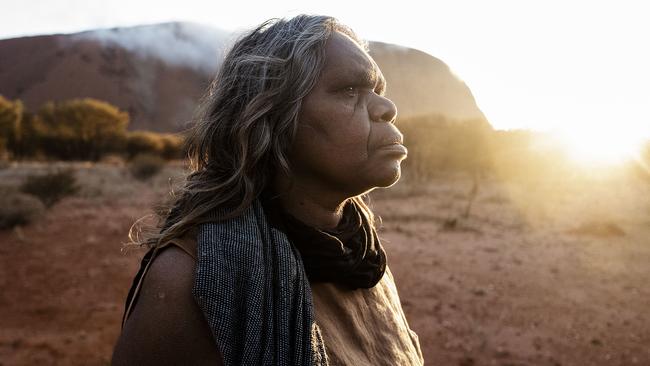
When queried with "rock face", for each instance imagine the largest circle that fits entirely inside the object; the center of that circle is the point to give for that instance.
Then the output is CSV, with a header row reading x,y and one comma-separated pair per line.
x,y
421,84
158,73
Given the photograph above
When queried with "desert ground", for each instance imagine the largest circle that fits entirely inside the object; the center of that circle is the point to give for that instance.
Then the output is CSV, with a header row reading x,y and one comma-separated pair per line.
x,y
546,271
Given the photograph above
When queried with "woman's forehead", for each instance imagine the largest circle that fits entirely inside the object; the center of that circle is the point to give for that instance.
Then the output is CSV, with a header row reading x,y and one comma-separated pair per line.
x,y
344,58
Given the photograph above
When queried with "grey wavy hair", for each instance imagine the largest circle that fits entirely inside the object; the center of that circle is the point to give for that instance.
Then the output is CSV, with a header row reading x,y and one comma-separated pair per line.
x,y
247,121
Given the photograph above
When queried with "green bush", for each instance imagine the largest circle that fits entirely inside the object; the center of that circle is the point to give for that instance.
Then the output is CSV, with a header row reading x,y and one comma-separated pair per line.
x,y
51,187
145,166
18,209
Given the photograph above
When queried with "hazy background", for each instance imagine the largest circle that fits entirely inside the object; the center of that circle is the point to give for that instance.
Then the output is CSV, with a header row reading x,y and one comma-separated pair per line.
x,y
577,67
519,233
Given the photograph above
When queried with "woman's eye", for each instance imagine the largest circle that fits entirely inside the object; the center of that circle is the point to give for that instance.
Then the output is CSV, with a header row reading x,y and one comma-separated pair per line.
x,y
351,91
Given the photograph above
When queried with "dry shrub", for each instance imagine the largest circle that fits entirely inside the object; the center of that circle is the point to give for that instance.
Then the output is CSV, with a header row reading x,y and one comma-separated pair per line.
x,y
173,146
18,209
113,159
145,166
144,142
50,188
438,144
81,129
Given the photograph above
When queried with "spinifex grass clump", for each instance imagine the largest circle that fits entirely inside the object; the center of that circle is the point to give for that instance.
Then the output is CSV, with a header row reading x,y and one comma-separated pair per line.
x,y
18,209
50,188
145,166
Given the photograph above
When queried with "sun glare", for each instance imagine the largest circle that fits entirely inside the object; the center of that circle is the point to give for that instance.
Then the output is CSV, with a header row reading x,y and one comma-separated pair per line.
x,y
601,147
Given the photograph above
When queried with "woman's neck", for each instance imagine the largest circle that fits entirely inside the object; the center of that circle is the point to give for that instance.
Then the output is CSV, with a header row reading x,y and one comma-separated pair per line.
x,y
314,207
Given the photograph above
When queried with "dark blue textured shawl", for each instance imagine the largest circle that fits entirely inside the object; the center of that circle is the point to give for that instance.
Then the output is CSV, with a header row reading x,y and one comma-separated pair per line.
x,y
252,287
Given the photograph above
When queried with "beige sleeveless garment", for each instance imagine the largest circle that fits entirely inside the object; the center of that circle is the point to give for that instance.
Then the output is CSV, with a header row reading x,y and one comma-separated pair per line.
x,y
363,327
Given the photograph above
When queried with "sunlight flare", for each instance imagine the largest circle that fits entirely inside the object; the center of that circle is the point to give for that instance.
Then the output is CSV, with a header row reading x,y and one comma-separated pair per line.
x,y
601,146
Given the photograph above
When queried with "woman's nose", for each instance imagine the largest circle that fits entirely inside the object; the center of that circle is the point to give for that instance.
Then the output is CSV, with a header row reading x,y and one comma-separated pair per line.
x,y
383,110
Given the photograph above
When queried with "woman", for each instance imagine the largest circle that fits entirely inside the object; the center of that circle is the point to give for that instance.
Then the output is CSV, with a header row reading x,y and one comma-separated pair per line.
x,y
270,255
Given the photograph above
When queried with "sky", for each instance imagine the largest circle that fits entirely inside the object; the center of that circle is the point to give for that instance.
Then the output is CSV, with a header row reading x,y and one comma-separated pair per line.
x,y
578,68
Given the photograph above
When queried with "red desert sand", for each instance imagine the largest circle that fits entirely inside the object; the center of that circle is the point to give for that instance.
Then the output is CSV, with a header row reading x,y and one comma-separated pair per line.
x,y
539,273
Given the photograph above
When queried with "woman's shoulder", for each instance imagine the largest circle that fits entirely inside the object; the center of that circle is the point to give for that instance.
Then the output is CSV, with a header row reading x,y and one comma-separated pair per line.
x,y
166,325
170,276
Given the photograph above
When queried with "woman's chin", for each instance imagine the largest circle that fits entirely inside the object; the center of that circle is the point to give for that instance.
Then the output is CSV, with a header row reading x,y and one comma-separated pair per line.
x,y
390,177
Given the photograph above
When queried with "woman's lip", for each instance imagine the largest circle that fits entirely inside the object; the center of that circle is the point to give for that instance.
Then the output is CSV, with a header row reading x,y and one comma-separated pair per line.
x,y
396,148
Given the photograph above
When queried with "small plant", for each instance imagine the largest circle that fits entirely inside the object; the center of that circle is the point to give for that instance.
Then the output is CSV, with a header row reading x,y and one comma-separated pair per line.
x,y
18,209
145,166
52,187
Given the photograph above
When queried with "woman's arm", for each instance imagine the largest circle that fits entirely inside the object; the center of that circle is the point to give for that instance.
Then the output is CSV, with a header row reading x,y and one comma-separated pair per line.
x,y
166,327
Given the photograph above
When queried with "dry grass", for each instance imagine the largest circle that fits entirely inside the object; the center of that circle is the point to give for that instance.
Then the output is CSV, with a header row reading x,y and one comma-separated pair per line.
x,y
100,181
543,272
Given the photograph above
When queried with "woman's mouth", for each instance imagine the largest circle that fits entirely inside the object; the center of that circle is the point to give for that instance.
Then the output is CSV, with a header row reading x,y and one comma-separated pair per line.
x,y
395,148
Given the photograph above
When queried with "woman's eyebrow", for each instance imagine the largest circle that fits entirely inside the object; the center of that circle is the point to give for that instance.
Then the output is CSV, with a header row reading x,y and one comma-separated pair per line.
x,y
366,76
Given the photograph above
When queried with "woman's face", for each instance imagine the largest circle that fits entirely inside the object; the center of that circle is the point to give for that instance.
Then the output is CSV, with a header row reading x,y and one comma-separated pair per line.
x,y
346,138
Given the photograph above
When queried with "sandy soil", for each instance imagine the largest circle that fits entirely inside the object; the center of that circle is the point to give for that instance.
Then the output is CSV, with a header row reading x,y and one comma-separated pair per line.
x,y
549,273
